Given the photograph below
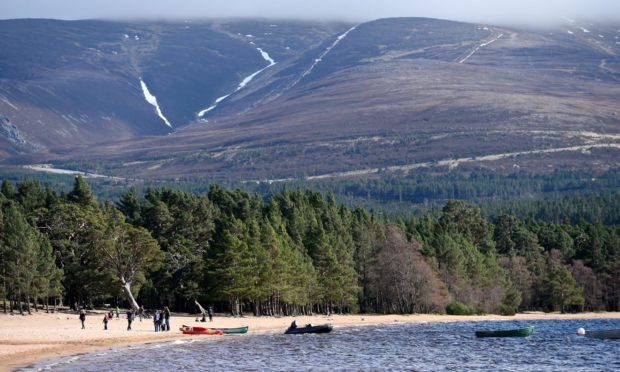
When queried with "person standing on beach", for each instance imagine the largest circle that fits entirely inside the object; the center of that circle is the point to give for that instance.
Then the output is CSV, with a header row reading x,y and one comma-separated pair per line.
x,y
129,319
117,312
106,317
83,317
167,318
156,319
210,312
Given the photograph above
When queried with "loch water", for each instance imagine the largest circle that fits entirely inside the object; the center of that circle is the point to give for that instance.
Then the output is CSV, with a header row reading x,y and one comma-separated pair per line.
x,y
554,346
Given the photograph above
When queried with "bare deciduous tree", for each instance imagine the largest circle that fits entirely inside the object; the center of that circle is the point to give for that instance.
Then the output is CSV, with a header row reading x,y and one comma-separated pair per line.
x,y
405,283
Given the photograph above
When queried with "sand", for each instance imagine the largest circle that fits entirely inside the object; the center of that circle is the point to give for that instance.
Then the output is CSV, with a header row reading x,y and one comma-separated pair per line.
x,y
31,338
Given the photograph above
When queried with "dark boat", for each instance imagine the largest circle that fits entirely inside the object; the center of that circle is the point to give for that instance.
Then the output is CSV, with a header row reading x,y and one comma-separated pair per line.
x,y
309,328
519,332
607,334
228,331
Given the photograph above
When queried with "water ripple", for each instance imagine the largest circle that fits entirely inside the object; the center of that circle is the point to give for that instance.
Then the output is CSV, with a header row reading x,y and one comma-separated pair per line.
x,y
404,347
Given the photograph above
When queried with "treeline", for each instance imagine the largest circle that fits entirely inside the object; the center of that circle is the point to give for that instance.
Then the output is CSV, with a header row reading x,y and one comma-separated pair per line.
x,y
553,197
297,252
421,187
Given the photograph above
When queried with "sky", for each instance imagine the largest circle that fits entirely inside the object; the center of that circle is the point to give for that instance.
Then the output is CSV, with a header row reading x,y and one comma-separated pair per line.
x,y
532,12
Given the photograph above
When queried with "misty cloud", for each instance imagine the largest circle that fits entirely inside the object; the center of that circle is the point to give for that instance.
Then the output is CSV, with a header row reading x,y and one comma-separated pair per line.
x,y
534,12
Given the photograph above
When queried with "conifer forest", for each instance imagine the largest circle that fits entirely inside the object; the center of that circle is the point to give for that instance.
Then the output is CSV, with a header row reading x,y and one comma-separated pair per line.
x,y
295,252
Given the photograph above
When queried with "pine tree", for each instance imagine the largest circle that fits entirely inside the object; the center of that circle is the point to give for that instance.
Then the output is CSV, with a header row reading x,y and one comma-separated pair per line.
x,y
231,266
71,229
81,193
559,286
7,189
126,251
129,205
19,245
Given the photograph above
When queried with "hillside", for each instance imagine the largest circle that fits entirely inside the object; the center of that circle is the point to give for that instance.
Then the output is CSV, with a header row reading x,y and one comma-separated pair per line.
x,y
65,83
323,101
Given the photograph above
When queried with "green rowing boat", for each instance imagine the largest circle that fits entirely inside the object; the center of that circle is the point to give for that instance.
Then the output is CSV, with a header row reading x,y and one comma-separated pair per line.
x,y
519,332
228,331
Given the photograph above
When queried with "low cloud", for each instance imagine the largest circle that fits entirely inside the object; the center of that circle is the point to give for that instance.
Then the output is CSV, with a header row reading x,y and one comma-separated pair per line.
x,y
534,12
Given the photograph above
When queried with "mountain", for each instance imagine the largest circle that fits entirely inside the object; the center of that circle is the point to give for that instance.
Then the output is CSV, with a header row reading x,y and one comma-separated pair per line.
x,y
81,82
266,100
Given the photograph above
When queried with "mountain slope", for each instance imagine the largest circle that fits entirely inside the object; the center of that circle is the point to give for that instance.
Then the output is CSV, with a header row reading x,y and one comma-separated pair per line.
x,y
391,95
67,83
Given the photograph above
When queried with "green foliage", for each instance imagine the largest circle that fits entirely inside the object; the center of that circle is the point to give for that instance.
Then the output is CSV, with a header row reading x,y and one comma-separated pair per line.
x,y
7,189
27,267
297,252
130,206
511,302
71,229
127,251
457,308
81,193
561,288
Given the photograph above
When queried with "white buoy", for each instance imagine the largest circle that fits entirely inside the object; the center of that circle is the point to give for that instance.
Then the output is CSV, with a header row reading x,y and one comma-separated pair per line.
x,y
581,331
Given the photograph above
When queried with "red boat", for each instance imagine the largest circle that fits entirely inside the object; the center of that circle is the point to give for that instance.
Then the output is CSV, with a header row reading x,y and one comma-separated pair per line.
x,y
200,331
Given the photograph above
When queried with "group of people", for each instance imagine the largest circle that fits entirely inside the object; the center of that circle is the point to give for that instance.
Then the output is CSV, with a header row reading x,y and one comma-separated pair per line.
x,y
110,315
161,318
204,316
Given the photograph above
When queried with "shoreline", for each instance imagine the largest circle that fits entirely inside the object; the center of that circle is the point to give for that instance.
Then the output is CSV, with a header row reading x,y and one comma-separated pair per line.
x,y
34,338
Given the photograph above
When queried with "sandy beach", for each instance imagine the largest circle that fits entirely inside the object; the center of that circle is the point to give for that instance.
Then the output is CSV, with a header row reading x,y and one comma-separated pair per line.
x,y
31,338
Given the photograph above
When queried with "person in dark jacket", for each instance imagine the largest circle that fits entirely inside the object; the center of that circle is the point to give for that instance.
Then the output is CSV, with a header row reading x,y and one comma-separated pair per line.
x,y
210,312
83,317
129,319
166,318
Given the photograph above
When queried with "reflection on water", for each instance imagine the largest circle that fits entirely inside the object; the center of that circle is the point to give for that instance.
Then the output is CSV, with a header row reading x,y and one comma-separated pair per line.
x,y
421,347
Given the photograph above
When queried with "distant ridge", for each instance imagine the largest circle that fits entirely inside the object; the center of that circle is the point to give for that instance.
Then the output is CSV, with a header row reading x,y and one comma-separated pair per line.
x,y
343,100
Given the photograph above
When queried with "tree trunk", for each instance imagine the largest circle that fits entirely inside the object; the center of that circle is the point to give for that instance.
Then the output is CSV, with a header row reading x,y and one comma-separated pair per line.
x,y
19,302
127,290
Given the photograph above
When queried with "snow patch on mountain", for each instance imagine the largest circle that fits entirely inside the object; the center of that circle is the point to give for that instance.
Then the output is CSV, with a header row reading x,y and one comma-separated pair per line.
x,y
153,101
243,83
480,46
6,100
266,57
327,50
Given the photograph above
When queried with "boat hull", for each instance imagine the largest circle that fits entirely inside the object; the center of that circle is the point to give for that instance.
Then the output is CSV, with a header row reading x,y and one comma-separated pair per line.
x,y
520,332
323,328
200,331
228,331
606,334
